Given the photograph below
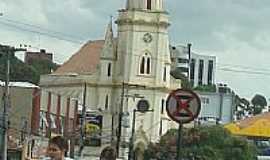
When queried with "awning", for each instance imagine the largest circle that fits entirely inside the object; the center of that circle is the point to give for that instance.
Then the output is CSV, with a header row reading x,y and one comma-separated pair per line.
x,y
257,126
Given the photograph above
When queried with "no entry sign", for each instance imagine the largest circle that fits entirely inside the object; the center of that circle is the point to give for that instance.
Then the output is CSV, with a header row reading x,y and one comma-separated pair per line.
x,y
183,106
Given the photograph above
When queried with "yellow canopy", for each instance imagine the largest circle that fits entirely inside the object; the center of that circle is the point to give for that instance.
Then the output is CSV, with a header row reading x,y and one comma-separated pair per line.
x,y
257,126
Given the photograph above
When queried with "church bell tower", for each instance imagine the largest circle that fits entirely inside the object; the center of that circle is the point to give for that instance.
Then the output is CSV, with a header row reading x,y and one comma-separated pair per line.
x,y
143,43
143,62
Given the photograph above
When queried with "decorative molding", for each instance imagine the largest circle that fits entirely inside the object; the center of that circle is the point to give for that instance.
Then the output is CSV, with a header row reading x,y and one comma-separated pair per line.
x,y
111,85
129,21
144,10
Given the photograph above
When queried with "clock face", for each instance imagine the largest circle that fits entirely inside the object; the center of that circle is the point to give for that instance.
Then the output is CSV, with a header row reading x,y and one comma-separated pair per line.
x,y
147,38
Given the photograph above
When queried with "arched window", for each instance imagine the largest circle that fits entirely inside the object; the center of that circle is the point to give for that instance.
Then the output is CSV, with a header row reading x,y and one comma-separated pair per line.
x,y
148,66
145,64
149,4
165,74
107,102
109,69
142,66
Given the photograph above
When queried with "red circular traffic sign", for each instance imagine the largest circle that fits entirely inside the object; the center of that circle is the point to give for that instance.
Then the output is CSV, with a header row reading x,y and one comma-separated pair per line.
x,y
183,106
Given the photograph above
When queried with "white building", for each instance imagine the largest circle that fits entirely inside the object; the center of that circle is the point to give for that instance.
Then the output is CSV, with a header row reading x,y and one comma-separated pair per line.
x,y
202,67
116,70
217,106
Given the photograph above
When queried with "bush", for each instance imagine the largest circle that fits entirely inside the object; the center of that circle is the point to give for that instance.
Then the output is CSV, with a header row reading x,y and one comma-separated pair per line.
x,y
204,143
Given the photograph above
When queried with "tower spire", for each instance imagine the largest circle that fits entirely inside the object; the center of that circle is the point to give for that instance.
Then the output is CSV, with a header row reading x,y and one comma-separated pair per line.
x,y
109,30
108,48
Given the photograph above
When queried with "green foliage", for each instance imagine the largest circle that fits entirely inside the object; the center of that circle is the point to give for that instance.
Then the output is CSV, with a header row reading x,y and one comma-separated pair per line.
x,y
20,71
185,83
204,143
206,88
43,66
259,100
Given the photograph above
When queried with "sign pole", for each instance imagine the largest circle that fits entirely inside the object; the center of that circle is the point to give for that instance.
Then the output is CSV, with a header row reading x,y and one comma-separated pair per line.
x,y
182,106
131,141
179,142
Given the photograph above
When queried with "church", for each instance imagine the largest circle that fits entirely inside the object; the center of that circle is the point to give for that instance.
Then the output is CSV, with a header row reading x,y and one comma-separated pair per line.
x,y
112,75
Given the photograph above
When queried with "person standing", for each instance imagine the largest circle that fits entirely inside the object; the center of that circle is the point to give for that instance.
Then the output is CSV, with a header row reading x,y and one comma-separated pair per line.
x,y
56,148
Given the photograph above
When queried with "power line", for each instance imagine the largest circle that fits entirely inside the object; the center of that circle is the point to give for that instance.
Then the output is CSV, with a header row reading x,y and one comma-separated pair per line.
x,y
231,66
42,33
242,67
51,33
41,28
244,71
227,68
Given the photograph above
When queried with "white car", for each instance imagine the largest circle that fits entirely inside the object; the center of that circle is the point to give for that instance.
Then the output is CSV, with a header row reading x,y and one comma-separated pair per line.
x,y
263,157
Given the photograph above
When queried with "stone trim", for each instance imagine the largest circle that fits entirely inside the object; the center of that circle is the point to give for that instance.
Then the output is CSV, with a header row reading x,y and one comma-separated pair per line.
x,y
129,21
113,86
144,10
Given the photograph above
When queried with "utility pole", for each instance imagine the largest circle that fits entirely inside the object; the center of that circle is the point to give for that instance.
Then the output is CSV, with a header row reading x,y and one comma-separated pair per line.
x,y
72,142
6,50
83,121
120,114
189,60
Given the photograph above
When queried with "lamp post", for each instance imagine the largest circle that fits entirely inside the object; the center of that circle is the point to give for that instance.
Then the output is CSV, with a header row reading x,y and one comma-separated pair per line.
x,y
142,107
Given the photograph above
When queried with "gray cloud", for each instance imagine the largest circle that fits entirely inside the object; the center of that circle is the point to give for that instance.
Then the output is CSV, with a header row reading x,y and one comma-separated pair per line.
x,y
236,31
202,20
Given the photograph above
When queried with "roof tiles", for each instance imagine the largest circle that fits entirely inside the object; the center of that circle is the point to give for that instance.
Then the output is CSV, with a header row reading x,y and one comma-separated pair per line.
x,y
85,61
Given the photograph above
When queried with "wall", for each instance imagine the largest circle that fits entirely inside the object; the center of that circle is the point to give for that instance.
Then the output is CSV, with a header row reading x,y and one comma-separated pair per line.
x,y
217,105
21,109
181,52
205,59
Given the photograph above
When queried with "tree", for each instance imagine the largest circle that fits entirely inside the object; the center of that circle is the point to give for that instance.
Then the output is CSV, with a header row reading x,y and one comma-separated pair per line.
x,y
19,71
43,66
206,88
186,84
258,102
204,143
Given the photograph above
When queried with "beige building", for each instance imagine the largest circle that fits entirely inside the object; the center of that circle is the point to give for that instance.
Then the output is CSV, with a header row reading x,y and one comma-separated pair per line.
x,y
20,112
135,63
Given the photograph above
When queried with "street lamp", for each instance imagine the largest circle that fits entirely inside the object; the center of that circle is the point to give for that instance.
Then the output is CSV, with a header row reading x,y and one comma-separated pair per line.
x,y
142,107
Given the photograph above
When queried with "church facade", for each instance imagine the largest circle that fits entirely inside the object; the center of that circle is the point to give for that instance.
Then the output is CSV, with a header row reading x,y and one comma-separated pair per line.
x,y
113,74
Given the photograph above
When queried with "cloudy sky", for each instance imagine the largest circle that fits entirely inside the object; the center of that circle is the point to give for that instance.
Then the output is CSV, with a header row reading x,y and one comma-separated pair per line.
x,y
234,31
